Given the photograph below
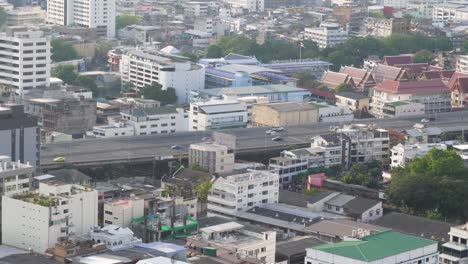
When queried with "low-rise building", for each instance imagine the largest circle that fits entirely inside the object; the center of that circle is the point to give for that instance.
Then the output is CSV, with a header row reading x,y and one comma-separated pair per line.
x,y
353,101
433,94
384,247
456,249
218,114
38,219
284,114
363,79
159,120
195,9
113,236
459,85
327,35
462,151
383,27
462,64
212,157
233,238
402,154
422,134
332,113
242,191
334,79
120,129
16,177
122,212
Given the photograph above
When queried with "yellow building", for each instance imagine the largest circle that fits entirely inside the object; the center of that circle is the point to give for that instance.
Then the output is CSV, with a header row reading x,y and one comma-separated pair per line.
x,y
353,101
284,114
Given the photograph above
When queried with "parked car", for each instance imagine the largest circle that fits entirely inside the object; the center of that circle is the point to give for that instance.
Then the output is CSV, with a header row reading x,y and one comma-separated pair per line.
x,y
424,120
176,147
278,138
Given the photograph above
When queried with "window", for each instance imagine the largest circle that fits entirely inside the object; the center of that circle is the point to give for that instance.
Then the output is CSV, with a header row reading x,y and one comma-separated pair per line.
x,y
108,212
142,126
265,201
108,222
265,192
377,212
250,195
172,124
337,209
263,249
371,213
164,125
329,207
65,211
251,186
250,204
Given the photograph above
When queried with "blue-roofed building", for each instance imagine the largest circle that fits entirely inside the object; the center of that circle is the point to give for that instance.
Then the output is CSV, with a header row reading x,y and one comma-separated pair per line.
x,y
163,249
290,67
215,78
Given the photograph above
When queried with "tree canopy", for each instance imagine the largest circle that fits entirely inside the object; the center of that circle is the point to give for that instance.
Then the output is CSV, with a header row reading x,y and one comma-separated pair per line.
x,y
432,185
88,83
366,174
202,188
65,72
351,52
423,56
62,50
126,20
343,87
156,92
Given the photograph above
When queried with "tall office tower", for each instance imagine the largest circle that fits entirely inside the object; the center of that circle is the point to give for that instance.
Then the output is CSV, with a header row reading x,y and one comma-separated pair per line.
x,y
97,14
24,60
19,135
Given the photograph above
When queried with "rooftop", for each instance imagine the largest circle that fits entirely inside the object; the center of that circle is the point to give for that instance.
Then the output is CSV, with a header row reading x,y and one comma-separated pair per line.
x,y
255,90
421,87
352,95
376,246
291,106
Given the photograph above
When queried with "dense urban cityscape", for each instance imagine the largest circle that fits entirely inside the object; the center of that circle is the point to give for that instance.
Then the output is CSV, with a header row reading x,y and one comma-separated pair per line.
x,y
233,131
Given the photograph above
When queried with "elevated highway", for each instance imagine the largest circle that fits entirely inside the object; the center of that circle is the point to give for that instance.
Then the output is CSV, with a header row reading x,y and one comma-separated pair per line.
x,y
94,152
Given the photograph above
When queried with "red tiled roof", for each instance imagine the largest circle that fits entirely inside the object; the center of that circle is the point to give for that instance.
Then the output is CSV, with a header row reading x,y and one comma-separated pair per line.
x,y
433,75
414,69
384,72
333,79
435,68
320,92
399,59
454,78
355,73
421,87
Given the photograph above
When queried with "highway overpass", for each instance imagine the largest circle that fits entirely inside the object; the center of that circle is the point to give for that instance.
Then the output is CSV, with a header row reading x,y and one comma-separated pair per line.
x,y
93,152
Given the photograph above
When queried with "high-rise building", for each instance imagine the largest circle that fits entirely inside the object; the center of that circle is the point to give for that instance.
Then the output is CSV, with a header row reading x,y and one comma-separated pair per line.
x,y
24,60
19,135
96,14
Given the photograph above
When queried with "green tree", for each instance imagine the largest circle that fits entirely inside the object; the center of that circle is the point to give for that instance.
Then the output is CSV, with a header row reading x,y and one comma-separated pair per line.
x,y
304,79
3,16
214,51
156,92
202,188
100,58
408,16
362,174
434,183
62,50
193,57
126,20
65,72
423,56
376,14
88,83
344,87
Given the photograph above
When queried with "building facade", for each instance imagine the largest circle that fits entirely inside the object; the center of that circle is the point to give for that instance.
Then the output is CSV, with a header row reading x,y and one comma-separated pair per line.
x,y
25,60
241,192
212,157
95,14
19,134
456,250
160,120
329,34
284,114
218,114
122,212
142,68
402,154
251,5
55,210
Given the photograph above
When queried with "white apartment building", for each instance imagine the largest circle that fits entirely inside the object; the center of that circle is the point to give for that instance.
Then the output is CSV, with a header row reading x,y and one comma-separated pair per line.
x,y
159,120
462,151
328,34
332,113
456,250
218,114
402,154
96,14
241,192
397,4
24,60
251,5
37,219
233,238
122,212
196,9
433,94
212,157
120,129
449,11
142,68
204,24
